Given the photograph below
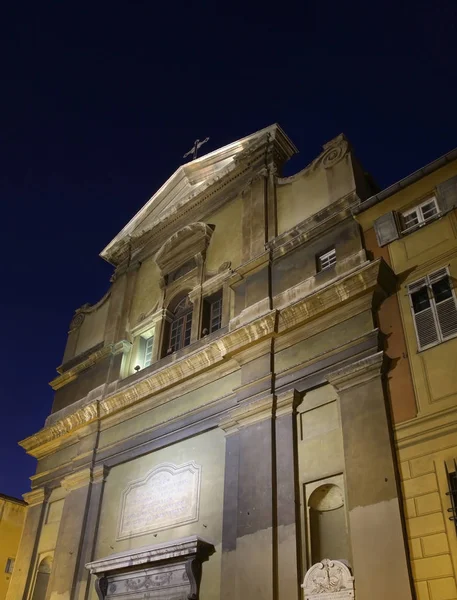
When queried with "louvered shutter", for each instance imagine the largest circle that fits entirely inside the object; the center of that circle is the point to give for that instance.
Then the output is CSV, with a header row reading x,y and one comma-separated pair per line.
x,y
447,194
386,229
424,320
446,309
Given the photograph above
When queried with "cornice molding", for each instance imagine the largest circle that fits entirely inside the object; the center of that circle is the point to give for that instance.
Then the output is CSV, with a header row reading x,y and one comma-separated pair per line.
x,y
72,373
425,427
274,323
37,496
358,373
248,414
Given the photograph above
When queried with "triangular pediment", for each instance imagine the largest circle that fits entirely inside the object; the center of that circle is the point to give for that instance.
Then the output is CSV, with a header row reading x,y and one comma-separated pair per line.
x,y
192,179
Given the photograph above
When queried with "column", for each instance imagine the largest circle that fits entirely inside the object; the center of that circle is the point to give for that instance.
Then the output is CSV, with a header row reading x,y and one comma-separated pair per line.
x,y
375,521
72,529
23,573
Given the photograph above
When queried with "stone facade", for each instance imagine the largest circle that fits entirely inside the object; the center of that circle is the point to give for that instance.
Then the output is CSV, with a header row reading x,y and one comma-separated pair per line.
x,y
234,373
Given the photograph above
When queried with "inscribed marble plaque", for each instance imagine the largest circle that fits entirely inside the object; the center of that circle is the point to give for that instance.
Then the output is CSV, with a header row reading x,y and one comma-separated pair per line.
x,y
168,496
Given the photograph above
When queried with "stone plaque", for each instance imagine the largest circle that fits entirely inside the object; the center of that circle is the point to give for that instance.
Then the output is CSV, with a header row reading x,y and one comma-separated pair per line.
x,y
328,580
168,496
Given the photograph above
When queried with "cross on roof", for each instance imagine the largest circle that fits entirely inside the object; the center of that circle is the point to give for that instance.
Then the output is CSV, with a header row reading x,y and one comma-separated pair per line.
x,y
195,148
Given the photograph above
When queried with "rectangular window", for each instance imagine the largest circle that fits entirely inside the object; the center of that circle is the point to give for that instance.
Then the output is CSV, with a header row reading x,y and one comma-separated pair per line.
x,y
9,565
148,351
212,313
434,308
419,215
326,260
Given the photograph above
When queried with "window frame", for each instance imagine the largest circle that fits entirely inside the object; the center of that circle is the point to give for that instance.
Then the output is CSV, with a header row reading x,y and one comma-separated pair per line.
x,y
212,304
9,565
330,253
182,316
148,350
421,220
429,280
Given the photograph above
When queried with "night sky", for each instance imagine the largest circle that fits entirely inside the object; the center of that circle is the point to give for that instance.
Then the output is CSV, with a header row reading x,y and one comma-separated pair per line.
x,y
100,100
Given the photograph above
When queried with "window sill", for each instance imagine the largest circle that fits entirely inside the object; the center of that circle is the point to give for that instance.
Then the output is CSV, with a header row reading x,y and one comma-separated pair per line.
x,y
173,357
439,343
406,232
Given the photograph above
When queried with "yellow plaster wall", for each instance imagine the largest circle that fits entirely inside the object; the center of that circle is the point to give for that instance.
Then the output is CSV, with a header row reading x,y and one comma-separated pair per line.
x,y
208,451
432,537
427,442
147,291
92,329
12,516
226,241
409,196
422,252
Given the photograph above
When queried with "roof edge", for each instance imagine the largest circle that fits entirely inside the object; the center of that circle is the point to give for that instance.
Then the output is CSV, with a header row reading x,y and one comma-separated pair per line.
x,y
407,181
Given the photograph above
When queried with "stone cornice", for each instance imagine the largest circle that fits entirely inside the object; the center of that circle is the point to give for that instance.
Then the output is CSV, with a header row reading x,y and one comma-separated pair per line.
x,y
358,372
314,226
37,496
248,414
271,324
72,373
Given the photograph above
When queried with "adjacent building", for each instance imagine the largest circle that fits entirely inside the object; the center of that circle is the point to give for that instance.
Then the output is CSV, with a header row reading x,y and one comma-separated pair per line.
x,y
235,408
12,515
412,226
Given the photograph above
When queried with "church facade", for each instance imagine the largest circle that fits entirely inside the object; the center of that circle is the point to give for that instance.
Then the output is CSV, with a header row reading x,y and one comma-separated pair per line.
x,y
222,418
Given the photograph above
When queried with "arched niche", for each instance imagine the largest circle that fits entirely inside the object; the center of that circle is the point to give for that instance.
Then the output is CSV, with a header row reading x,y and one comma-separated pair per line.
x,y
42,578
327,523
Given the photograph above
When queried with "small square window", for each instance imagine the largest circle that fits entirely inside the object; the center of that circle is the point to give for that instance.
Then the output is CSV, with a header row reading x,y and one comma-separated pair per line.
x,y
326,260
419,215
9,565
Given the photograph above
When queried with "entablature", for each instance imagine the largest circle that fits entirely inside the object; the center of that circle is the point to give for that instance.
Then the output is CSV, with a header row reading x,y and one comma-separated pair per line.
x,y
374,278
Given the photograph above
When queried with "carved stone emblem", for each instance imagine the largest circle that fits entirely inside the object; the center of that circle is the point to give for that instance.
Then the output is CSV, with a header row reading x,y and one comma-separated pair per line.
x,y
329,579
166,497
77,321
335,152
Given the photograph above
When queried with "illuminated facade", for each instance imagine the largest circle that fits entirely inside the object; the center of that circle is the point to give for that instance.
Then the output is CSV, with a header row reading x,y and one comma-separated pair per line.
x,y
224,403
12,514
413,227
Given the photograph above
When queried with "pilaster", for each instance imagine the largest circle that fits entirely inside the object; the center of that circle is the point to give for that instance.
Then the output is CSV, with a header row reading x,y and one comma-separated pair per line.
x,y
287,496
23,573
77,533
375,521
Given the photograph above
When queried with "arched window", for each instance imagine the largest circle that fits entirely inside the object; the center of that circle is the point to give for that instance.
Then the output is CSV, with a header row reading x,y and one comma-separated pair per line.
x,y
42,579
181,325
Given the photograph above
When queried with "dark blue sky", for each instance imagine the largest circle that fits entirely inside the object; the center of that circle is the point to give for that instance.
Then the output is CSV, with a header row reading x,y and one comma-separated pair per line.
x,y
100,100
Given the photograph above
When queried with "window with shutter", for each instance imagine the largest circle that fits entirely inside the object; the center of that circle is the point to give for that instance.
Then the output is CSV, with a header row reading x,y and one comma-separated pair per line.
x,y
447,194
386,229
434,309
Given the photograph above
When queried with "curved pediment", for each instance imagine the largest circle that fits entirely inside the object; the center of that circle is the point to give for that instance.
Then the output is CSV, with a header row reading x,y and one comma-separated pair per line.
x,y
183,245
